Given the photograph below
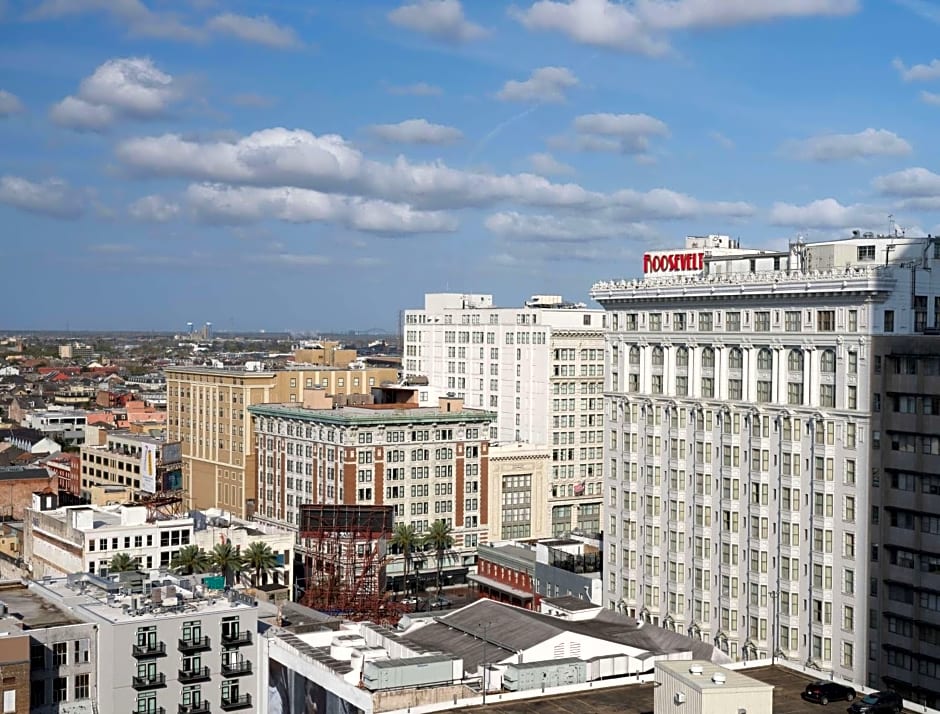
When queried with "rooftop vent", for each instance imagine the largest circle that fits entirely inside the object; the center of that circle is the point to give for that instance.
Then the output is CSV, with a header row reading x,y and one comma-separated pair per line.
x,y
696,669
719,678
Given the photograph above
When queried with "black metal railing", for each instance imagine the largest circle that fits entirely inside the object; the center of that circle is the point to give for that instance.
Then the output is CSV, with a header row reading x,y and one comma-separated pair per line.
x,y
154,681
151,649
236,639
200,708
194,644
232,703
236,669
194,675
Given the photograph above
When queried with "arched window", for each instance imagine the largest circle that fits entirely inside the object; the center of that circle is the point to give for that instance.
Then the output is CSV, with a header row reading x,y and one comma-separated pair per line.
x,y
682,357
827,362
657,356
765,360
795,361
635,355
708,357
736,358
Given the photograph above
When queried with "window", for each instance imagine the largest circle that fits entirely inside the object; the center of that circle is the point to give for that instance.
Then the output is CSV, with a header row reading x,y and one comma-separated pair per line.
x,y
736,358
60,654
656,322
678,321
866,252
827,362
657,356
765,360
682,357
60,689
826,321
795,361
791,321
733,321
708,358
889,321
82,686
705,321
762,321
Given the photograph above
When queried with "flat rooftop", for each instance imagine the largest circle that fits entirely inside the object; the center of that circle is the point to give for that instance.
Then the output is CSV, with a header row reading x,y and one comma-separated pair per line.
x,y
638,698
377,414
31,610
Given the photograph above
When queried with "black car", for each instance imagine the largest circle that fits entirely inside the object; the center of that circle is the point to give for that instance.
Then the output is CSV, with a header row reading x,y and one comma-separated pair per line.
x,y
824,692
878,703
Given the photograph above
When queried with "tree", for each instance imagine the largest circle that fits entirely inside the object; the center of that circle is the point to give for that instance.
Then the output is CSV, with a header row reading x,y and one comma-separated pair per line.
x,y
406,539
227,560
439,538
259,558
191,559
122,563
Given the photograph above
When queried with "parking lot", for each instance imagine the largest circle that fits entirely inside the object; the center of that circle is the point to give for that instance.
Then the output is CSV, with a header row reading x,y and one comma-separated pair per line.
x,y
638,698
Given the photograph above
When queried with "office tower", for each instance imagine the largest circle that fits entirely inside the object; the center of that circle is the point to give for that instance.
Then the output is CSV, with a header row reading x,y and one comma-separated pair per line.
x,y
540,367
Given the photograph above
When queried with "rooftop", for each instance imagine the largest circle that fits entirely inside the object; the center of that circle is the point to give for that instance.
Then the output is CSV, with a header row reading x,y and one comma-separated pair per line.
x,y
703,679
31,610
348,416
111,599
19,473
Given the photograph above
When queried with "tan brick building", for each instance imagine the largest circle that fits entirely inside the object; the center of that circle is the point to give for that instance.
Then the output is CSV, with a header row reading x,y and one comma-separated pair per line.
x,y
207,410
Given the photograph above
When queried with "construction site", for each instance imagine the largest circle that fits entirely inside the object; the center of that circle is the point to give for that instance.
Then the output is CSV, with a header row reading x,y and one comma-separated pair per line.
x,y
344,550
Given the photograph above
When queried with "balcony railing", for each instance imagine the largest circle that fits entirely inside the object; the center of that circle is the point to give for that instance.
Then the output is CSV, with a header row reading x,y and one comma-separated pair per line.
x,y
236,669
195,644
152,682
236,639
152,649
200,708
230,704
194,675
158,710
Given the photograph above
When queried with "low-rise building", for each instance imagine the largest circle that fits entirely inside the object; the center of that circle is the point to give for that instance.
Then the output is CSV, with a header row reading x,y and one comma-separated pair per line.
x,y
84,539
17,485
140,461
696,687
177,646
66,468
67,426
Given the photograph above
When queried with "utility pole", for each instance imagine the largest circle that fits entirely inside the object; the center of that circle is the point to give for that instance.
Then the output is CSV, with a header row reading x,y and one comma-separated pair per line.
x,y
484,626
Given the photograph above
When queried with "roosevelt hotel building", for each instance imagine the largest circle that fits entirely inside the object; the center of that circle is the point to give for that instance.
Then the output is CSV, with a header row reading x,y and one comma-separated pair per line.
x,y
772,454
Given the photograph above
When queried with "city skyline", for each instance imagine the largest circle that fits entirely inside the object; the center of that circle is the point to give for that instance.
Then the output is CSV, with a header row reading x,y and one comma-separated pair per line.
x,y
250,158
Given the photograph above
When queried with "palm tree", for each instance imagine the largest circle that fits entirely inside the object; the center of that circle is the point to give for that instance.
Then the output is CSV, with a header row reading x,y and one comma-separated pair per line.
x,y
122,563
191,559
406,539
440,539
227,560
259,557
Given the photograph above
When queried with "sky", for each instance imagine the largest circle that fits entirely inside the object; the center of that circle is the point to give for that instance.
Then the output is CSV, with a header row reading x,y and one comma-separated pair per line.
x,y
301,165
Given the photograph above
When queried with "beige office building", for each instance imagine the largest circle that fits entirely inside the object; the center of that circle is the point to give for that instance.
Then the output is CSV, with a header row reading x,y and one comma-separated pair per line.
x,y
208,412
518,492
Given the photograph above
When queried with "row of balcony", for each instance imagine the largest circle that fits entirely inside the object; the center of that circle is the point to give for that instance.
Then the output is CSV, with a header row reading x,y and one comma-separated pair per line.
x,y
198,644
189,676
228,704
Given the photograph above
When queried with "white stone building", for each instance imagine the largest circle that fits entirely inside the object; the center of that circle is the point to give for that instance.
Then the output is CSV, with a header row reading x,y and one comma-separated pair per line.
x,y
540,367
743,448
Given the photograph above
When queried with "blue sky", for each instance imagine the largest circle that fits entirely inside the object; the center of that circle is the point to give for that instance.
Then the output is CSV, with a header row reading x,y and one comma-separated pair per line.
x,y
320,165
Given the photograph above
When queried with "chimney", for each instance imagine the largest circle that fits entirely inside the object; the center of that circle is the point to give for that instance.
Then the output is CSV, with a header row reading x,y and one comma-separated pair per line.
x,y
450,404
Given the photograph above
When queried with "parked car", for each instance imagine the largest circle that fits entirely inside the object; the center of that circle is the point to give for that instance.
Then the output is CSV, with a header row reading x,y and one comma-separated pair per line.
x,y
878,703
441,603
824,692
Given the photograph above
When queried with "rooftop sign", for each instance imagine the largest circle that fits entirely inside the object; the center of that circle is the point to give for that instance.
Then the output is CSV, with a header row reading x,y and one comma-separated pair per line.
x,y
679,261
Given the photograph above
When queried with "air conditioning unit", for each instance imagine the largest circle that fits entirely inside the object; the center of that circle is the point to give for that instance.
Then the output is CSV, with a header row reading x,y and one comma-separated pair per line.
x,y
679,698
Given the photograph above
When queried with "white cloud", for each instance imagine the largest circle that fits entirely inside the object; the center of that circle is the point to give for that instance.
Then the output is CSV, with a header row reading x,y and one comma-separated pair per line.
x,y
133,14
546,84
261,30
419,89
641,26
227,204
53,198
930,98
626,133
825,213
10,104
131,87
918,72
562,229
910,183
723,141
547,165
417,131
440,19
281,157
153,209
842,147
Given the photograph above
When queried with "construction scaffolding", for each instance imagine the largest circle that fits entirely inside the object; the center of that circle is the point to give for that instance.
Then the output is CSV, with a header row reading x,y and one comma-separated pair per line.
x,y
344,560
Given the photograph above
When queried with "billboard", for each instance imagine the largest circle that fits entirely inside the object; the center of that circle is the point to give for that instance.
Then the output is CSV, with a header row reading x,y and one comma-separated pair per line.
x,y
148,468
172,480
289,692
172,453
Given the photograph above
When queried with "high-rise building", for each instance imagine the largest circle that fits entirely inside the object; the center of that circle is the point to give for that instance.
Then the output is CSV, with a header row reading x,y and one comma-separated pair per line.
x,y
760,488
207,410
429,463
540,367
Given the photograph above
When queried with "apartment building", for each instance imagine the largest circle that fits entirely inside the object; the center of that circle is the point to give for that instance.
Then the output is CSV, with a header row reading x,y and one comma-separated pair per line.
x,y
61,653
207,410
746,434
139,461
176,647
84,539
540,367
517,487
429,463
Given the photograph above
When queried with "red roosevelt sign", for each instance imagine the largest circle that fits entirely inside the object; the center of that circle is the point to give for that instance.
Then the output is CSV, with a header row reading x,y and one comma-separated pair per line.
x,y
673,262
